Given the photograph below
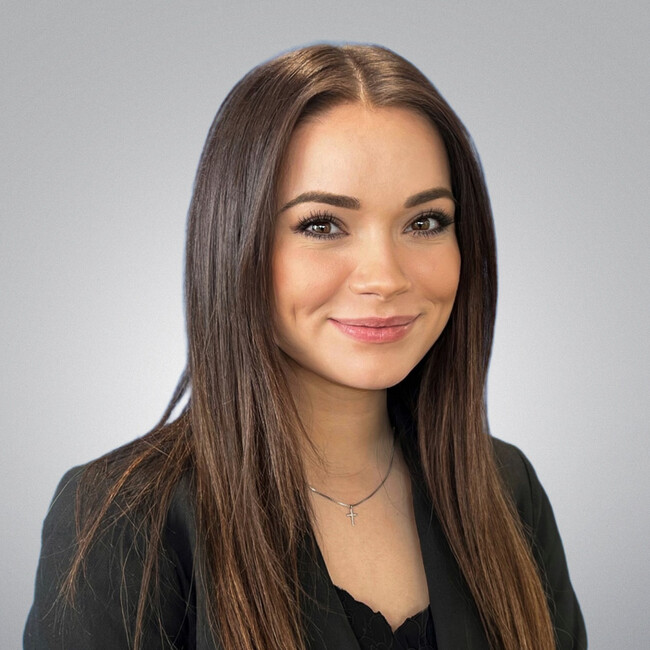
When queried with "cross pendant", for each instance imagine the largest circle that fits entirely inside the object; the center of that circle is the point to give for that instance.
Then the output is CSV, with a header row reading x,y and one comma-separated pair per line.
x,y
352,514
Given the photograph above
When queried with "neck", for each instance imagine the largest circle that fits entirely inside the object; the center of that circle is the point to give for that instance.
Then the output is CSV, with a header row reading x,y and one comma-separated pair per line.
x,y
350,439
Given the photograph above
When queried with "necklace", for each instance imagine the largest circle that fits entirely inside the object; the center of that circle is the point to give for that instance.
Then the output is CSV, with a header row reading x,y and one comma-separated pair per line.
x,y
352,514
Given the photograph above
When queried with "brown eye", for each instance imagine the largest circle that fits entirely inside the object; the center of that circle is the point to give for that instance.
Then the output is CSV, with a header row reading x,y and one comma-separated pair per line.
x,y
321,227
429,224
421,224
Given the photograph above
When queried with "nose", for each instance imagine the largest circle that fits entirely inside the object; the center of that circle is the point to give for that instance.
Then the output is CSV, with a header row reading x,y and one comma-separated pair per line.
x,y
379,270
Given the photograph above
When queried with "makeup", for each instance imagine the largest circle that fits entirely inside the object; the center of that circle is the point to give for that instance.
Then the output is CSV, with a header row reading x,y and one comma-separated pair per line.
x,y
375,330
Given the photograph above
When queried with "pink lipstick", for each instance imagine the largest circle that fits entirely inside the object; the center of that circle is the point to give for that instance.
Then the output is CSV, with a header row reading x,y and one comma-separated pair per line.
x,y
375,330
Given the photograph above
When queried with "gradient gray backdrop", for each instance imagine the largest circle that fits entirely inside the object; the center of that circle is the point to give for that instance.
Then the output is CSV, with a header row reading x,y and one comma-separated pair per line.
x,y
105,107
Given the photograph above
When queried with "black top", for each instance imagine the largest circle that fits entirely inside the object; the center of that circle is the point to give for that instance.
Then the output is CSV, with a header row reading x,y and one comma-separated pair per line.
x,y
374,632
108,595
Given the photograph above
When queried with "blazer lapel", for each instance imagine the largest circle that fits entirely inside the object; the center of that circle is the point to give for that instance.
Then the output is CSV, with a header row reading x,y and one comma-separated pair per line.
x,y
327,626
455,617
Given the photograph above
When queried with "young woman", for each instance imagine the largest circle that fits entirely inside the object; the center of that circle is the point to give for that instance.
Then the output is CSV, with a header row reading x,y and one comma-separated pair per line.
x,y
332,482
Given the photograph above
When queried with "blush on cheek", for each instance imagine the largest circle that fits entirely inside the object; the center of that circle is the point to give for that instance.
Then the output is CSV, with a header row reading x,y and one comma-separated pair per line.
x,y
449,283
448,273
440,282
314,280
303,281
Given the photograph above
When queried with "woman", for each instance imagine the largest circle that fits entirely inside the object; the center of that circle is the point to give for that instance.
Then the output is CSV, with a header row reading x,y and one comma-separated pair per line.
x,y
333,459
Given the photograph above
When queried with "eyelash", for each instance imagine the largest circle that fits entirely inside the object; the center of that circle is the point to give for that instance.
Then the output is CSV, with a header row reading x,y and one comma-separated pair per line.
x,y
443,219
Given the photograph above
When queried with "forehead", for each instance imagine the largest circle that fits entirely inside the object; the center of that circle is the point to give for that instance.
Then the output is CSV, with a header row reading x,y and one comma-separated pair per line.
x,y
366,152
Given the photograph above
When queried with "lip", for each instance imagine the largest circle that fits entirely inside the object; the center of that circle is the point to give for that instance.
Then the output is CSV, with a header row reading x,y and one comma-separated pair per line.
x,y
375,330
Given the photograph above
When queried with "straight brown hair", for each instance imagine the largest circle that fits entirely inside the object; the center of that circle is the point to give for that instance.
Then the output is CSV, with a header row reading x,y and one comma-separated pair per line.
x,y
237,437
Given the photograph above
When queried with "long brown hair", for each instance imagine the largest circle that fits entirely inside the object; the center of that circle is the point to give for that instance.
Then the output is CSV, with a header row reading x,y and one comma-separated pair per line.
x,y
237,437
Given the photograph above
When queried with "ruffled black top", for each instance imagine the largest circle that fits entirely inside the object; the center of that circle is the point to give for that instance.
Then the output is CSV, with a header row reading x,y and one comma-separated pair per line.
x,y
374,632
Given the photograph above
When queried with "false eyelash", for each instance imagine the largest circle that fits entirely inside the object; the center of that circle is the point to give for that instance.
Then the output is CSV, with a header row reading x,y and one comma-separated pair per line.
x,y
444,221
314,217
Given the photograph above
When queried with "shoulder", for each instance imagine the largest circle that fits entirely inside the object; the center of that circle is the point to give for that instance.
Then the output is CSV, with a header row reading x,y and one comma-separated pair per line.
x,y
539,524
62,519
521,481
529,498
62,506
108,590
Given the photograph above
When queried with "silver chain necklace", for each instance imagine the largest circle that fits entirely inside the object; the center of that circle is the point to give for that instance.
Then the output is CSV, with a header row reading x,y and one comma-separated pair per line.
x,y
352,514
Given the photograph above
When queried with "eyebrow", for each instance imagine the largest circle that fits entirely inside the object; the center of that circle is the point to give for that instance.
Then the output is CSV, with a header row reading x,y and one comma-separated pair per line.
x,y
337,200
352,203
429,195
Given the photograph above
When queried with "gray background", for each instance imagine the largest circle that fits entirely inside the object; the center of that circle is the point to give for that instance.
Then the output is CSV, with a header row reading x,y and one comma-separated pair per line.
x,y
105,107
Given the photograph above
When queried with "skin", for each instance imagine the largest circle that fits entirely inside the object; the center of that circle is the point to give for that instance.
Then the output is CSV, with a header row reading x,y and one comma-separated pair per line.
x,y
377,256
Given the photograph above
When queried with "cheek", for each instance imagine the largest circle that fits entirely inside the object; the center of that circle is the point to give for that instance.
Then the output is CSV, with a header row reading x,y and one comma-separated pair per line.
x,y
438,277
303,280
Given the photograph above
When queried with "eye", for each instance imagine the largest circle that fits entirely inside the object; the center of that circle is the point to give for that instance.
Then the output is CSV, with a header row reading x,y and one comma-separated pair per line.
x,y
320,225
429,223
422,223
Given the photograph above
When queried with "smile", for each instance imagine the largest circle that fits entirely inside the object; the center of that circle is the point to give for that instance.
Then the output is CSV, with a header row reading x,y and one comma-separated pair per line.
x,y
375,330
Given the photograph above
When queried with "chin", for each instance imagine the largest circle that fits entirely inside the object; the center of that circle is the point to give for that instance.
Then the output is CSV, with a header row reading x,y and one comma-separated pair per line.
x,y
368,380
362,373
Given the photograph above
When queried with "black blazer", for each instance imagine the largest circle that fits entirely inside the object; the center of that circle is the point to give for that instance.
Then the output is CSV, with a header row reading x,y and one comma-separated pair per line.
x,y
115,565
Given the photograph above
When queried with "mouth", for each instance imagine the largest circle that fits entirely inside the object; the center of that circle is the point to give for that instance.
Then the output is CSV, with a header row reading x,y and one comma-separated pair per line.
x,y
375,330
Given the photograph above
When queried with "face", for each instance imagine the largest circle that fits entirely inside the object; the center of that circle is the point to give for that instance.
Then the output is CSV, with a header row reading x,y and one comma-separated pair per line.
x,y
365,259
